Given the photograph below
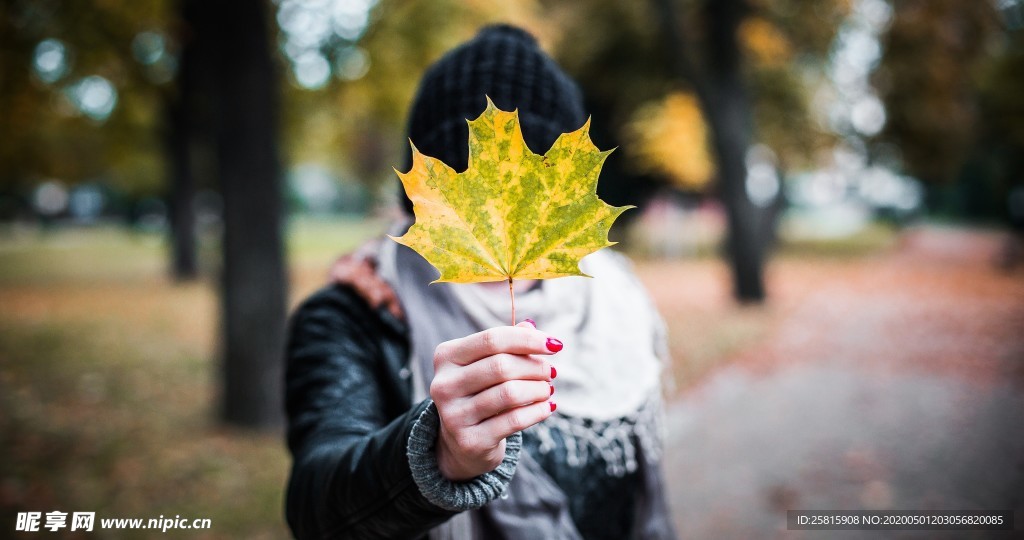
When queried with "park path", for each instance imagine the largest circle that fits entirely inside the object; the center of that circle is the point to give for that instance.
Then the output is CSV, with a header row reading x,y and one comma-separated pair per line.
x,y
897,383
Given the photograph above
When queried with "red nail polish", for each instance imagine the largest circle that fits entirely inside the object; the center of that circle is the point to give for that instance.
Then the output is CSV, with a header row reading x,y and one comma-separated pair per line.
x,y
553,372
531,321
554,345
552,390
553,406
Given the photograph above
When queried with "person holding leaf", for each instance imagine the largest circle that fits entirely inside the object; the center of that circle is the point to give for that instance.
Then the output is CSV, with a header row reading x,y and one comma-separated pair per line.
x,y
415,409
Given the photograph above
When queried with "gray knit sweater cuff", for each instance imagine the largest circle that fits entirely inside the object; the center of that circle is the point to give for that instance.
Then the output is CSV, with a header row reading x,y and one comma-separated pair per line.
x,y
455,496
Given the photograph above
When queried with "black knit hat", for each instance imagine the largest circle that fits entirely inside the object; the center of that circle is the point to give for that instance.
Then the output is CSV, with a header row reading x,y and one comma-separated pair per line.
x,y
506,64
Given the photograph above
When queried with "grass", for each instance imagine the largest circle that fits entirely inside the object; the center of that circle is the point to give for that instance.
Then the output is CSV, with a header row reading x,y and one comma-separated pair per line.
x,y
107,383
107,374
874,237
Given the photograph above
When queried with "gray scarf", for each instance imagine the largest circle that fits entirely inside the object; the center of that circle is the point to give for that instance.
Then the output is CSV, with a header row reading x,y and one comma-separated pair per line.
x,y
613,340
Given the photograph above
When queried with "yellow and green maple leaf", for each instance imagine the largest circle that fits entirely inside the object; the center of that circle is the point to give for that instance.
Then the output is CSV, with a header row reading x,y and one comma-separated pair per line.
x,y
512,214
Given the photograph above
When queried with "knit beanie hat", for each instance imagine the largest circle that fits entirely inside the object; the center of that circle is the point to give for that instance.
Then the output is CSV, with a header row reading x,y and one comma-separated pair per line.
x,y
506,64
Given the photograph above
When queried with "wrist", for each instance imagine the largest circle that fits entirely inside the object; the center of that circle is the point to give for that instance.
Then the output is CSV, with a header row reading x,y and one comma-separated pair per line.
x,y
457,468
447,464
424,439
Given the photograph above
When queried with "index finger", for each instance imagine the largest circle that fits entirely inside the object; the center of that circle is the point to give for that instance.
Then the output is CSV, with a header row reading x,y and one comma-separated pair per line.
x,y
502,339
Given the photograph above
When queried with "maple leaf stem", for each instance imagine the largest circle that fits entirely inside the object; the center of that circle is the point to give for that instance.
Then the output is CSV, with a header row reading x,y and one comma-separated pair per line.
x,y
512,296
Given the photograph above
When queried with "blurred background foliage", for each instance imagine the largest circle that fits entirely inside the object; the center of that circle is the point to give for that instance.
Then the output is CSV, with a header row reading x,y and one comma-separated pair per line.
x,y
925,88
80,92
808,119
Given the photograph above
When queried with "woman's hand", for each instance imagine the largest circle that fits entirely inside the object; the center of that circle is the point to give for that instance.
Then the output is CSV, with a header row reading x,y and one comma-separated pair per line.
x,y
359,271
486,387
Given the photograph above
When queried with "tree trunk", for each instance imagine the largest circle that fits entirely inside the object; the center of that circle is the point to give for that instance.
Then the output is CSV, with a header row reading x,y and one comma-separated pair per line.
x,y
254,285
180,126
726,106
731,119
184,264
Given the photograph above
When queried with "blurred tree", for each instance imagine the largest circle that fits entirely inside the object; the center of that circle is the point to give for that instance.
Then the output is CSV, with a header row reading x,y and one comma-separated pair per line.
x,y
1001,107
88,87
17,104
722,90
181,198
933,49
994,167
637,58
76,105
787,45
670,138
184,118
82,88
253,291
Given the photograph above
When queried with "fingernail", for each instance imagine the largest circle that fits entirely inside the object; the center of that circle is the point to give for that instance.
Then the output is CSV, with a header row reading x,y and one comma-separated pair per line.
x,y
553,372
553,406
552,390
531,321
554,345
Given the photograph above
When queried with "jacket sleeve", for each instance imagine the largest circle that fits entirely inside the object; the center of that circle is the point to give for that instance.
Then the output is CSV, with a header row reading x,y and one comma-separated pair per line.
x,y
350,476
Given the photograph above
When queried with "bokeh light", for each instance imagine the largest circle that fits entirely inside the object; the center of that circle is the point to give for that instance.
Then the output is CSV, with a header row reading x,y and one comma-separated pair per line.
x,y
50,198
149,47
94,97
50,61
314,31
312,71
352,63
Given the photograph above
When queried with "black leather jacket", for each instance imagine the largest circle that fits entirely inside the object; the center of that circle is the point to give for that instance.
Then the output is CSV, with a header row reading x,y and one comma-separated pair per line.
x,y
348,400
